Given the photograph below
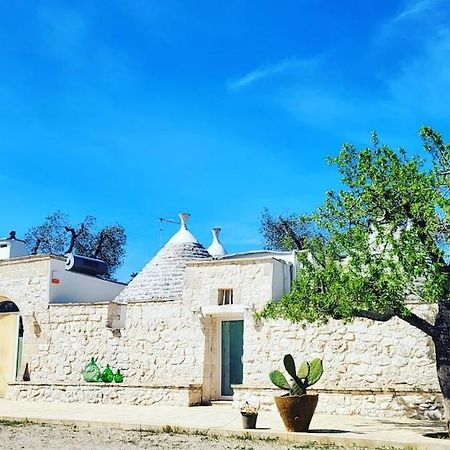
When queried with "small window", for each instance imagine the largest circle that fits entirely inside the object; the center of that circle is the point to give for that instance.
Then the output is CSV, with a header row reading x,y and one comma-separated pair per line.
x,y
225,297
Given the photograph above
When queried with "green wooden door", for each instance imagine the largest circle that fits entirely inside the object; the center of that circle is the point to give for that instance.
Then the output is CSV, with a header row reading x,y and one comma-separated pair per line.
x,y
232,351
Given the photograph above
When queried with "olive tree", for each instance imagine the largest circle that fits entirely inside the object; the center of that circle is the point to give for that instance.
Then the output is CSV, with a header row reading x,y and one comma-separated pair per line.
x,y
56,235
378,243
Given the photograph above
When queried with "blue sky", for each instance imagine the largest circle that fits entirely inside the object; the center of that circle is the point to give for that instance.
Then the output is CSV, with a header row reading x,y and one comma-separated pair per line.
x,y
135,110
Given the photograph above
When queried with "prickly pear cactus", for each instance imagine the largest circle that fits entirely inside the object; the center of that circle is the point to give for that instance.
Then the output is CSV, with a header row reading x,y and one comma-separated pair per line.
x,y
308,373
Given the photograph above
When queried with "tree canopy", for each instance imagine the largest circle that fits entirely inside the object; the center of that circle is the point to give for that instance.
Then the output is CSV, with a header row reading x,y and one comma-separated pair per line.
x,y
285,232
56,235
378,243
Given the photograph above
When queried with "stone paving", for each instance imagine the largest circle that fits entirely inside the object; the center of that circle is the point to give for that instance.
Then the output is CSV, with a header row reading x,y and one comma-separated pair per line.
x,y
222,419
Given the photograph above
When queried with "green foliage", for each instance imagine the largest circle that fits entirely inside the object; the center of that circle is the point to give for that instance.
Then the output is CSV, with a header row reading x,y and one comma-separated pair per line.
x,y
303,370
308,374
287,232
377,242
57,236
279,380
315,371
289,364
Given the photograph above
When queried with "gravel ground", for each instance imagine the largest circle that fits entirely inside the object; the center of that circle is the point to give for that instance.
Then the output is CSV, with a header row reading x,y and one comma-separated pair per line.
x,y
15,436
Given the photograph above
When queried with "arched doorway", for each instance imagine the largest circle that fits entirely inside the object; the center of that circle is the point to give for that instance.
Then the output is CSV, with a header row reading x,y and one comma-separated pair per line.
x,y
11,337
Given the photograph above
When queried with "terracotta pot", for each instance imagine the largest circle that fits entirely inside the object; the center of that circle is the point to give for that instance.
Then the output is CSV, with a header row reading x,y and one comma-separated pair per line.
x,y
296,411
249,421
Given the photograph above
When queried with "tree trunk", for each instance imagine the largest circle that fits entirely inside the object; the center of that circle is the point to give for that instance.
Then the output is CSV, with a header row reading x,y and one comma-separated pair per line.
x,y
442,347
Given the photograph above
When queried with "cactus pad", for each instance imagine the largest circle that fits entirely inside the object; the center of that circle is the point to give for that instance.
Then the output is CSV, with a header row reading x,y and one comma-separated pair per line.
x,y
279,380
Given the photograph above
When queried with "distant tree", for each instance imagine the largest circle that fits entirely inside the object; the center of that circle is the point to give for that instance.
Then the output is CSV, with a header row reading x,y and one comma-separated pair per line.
x,y
57,236
383,240
284,233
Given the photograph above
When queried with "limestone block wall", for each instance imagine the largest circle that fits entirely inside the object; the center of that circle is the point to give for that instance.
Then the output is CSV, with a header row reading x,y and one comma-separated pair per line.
x,y
250,279
25,281
371,368
157,344
252,283
163,342
360,355
421,404
118,394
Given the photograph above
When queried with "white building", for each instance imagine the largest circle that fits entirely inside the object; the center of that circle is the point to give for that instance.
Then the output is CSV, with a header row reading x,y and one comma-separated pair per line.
x,y
184,332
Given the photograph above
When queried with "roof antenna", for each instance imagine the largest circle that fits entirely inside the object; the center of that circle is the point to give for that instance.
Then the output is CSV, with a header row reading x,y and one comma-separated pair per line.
x,y
161,221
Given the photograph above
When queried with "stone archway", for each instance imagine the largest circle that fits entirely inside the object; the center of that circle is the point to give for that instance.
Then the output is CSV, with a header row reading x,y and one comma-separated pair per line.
x,y
11,336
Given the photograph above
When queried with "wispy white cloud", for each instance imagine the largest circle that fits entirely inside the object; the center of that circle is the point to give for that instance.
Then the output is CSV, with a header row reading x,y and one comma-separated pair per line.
x,y
413,11
416,93
423,83
269,70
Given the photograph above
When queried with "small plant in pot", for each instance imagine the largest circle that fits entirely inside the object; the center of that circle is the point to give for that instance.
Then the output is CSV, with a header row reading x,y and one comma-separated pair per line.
x,y
297,408
249,413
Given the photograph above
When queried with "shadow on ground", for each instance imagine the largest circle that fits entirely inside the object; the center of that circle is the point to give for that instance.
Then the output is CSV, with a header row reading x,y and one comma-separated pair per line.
x,y
328,431
437,435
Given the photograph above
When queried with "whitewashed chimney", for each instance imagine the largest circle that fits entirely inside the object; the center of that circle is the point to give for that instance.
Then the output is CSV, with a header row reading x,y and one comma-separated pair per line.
x,y
216,249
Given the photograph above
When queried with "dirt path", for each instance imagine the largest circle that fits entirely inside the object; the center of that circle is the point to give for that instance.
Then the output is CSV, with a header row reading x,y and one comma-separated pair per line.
x,y
14,436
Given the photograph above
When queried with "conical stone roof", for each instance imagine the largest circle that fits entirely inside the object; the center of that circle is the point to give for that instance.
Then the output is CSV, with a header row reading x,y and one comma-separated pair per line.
x,y
162,278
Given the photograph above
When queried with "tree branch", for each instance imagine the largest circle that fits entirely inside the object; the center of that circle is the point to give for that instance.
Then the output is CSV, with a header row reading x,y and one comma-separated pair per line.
x,y
36,246
379,317
425,239
418,322
74,236
298,241
101,241
408,317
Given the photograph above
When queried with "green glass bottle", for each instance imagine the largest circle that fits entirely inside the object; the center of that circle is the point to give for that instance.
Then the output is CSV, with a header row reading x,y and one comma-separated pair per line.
x,y
118,377
91,372
107,374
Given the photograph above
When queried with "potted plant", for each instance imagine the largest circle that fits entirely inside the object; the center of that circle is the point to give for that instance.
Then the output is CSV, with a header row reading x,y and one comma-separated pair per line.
x,y
249,413
296,408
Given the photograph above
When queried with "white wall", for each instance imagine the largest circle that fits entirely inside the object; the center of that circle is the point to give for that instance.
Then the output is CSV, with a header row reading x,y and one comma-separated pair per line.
x,y
12,248
281,282
72,287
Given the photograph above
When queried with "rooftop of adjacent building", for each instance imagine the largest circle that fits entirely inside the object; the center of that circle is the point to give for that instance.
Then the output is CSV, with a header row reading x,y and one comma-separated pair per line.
x,y
163,276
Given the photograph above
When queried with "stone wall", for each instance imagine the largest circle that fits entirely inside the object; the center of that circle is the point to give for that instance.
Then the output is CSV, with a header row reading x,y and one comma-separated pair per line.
x,y
154,347
252,283
25,281
165,342
359,355
118,394
419,404
370,368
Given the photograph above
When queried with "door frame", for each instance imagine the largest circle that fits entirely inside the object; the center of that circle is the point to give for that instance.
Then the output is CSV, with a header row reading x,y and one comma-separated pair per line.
x,y
220,319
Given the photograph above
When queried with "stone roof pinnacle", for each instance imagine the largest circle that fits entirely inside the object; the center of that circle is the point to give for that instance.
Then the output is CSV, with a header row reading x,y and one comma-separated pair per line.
x,y
183,235
216,249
